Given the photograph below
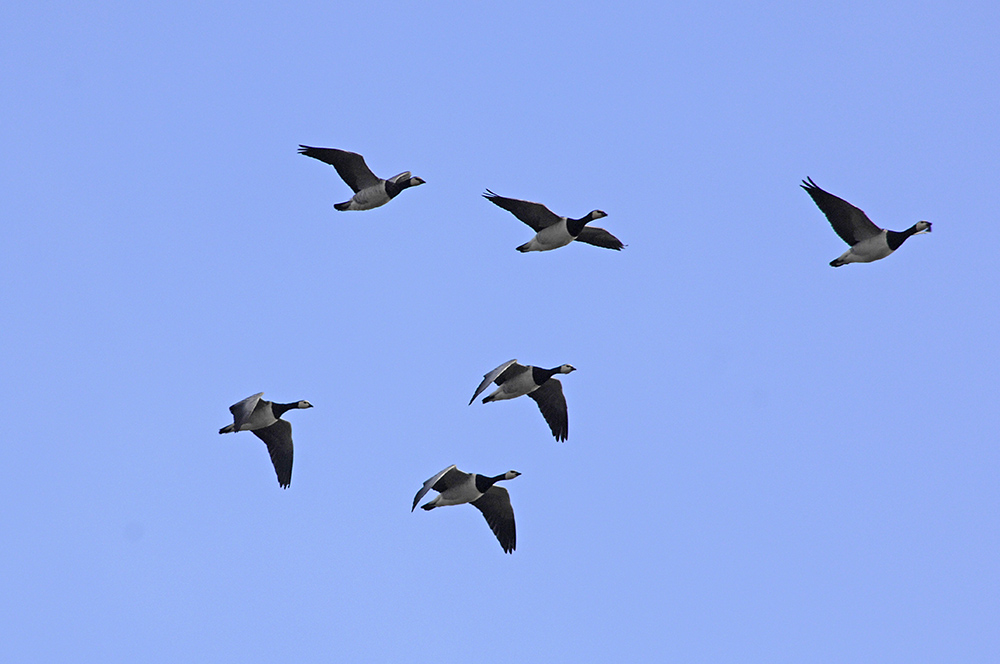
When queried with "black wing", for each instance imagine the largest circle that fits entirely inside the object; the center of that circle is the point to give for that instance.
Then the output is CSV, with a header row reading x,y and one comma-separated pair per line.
x,y
450,476
244,409
350,166
849,222
499,374
599,238
535,215
552,403
495,506
511,371
278,438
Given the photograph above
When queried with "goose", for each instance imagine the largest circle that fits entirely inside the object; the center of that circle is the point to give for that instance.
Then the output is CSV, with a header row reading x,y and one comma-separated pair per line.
x,y
515,380
553,231
868,241
370,191
457,488
263,418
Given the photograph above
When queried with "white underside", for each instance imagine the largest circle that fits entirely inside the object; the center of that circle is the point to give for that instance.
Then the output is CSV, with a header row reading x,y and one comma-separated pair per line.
x,y
458,495
515,387
260,419
866,251
369,198
550,238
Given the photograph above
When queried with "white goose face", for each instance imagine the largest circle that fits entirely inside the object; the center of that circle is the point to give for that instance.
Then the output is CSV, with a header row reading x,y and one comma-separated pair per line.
x,y
303,404
415,181
597,214
566,368
510,474
923,227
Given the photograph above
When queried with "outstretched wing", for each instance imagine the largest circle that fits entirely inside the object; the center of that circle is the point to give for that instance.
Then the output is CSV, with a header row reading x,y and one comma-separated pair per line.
x,y
552,403
849,222
491,376
450,476
350,166
599,238
535,215
278,438
243,410
495,506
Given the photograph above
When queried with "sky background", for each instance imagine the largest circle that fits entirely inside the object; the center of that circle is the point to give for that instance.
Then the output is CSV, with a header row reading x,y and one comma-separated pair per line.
x,y
769,460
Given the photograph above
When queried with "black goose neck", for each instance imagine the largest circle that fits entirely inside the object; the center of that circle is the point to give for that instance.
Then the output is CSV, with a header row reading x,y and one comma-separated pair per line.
x,y
539,375
279,409
895,238
483,483
575,226
392,189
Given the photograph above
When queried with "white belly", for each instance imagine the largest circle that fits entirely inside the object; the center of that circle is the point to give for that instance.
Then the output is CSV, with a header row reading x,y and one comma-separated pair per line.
x,y
553,237
369,198
515,387
260,418
459,495
866,251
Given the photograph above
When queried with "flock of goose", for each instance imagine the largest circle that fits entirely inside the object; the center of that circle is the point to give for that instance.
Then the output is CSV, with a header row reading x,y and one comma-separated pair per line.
x,y
867,243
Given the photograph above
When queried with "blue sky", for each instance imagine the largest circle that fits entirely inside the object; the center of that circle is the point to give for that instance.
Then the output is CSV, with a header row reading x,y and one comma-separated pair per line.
x,y
769,460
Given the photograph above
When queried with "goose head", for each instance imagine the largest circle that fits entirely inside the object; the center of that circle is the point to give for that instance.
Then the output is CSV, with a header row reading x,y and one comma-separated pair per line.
x,y
923,226
566,368
303,404
597,214
510,474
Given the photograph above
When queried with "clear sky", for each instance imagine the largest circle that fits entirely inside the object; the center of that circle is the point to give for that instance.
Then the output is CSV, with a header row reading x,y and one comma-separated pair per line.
x,y
769,460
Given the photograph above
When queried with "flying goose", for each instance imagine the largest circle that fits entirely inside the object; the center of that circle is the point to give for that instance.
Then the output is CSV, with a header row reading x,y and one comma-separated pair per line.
x,y
457,488
263,418
515,380
370,191
868,241
553,231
